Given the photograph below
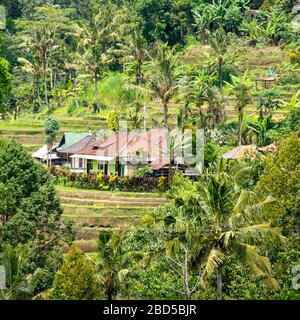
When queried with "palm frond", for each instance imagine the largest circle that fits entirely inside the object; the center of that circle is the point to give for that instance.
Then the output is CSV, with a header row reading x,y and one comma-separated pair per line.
x,y
259,265
214,260
238,213
260,233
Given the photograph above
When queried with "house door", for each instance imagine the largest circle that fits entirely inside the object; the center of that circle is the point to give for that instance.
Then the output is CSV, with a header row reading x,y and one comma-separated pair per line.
x,y
120,169
106,169
89,166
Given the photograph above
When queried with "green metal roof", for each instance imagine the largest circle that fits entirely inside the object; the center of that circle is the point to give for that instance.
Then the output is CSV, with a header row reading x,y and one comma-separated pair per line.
x,y
70,138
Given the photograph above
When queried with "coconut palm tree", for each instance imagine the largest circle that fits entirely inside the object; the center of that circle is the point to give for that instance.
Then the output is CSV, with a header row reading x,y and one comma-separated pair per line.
x,y
134,53
240,89
200,90
18,284
97,36
162,76
33,69
41,42
216,106
110,254
217,221
219,42
42,38
196,90
233,229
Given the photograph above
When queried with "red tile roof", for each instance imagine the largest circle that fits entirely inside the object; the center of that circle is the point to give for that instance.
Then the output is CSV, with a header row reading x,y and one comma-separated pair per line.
x,y
110,146
82,143
152,143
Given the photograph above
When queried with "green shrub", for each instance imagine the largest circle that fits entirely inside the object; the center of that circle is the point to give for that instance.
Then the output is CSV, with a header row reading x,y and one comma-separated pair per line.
x,y
105,183
210,153
77,279
142,172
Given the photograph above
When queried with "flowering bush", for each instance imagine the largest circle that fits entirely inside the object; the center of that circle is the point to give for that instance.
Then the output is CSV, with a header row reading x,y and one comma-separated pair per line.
x,y
162,184
108,183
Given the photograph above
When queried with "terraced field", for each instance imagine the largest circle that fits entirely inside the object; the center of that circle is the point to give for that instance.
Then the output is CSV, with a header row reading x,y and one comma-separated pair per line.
x,y
30,132
95,211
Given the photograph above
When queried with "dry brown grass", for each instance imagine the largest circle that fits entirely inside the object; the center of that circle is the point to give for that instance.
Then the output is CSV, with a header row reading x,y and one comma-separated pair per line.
x,y
107,222
87,246
101,212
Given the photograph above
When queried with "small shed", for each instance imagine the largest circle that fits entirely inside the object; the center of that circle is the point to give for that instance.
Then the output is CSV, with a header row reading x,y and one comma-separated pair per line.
x,y
42,154
265,82
241,152
270,148
68,140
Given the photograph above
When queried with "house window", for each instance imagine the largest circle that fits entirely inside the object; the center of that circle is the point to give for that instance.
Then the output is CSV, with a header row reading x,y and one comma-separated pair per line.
x,y
80,162
100,166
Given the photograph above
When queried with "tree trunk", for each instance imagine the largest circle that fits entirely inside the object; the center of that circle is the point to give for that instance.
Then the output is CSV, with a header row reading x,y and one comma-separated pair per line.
x,y
96,92
219,283
240,127
145,117
138,76
169,173
51,78
220,70
45,82
38,90
47,156
75,89
50,156
199,106
166,115
187,290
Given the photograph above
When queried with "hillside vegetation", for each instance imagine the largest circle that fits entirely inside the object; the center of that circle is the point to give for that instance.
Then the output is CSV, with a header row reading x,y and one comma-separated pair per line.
x,y
231,67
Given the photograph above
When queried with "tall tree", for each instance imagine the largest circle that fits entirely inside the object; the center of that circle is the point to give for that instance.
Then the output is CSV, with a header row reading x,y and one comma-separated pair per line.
x,y
240,88
51,131
42,37
213,223
235,229
30,211
162,76
77,278
195,90
134,53
97,41
5,83
281,179
111,261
